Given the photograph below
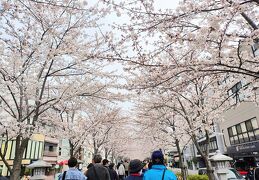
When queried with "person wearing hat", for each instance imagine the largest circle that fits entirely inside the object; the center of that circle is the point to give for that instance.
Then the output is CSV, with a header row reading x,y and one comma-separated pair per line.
x,y
135,170
158,170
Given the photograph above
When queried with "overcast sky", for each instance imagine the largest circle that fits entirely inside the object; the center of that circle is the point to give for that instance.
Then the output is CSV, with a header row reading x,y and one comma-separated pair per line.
x,y
159,4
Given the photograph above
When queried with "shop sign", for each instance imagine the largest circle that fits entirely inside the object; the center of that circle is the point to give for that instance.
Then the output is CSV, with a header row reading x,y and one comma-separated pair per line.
x,y
251,147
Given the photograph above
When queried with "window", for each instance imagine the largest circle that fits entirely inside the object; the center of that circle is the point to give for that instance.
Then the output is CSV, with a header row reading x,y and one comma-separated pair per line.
x,y
213,146
239,131
235,91
234,130
243,127
244,132
230,132
254,123
59,151
249,126
51,148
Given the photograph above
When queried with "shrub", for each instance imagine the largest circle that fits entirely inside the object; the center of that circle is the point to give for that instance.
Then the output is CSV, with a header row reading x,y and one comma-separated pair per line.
x,y
198,177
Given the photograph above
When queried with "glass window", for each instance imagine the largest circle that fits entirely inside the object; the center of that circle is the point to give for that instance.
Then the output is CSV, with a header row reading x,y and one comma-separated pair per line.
x,y
257,134
232,140
234,130
251,136
246,139
239,131
241,139
236,139
244,132
254,123
243,127
249,126
230,132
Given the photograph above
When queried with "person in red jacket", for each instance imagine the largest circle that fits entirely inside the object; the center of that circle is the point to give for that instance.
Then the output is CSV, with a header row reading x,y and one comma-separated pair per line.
x,y
135,170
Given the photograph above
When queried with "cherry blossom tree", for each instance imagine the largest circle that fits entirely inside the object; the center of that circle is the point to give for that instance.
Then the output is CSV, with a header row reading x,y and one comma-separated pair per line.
x,y
103,134
47,51
216,36
189,52
191,110
164,126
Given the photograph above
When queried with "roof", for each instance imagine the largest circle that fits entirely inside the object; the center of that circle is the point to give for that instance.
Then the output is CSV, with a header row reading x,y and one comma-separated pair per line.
x,y
220,157
39,163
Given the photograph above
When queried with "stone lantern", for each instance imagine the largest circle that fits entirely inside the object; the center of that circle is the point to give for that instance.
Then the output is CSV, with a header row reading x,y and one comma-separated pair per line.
x,y
39,169
221,164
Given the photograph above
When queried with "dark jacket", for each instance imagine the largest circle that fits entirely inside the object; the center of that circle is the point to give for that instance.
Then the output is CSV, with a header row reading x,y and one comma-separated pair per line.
x,y
113,174
132,177
250,175
101,171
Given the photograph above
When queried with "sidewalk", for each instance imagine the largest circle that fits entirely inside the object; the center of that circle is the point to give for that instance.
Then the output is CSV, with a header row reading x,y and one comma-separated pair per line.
x,y
178,170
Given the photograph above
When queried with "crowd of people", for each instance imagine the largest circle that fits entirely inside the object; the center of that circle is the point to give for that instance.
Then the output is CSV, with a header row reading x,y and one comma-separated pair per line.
x,y
133,170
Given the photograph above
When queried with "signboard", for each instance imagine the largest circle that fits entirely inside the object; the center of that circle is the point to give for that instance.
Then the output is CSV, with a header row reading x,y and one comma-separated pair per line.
x,y
251,148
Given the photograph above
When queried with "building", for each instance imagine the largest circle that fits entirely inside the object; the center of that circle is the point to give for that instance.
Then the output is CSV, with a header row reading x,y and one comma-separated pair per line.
x,y
39,147
241,133
216,143
85,154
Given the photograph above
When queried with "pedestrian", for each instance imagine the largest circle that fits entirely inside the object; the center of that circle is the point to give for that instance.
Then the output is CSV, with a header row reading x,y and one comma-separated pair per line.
x,y
98,171
106,165
121,171
72,172
256,173
135,170
158,170
113,173
89,165
126,165
250,174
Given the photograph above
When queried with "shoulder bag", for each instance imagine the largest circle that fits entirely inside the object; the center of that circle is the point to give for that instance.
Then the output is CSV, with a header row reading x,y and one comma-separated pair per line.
x,y
164,174
64,175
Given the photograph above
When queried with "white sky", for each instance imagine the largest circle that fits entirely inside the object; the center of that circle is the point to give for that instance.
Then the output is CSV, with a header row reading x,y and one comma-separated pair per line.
x,y
135,149
159,4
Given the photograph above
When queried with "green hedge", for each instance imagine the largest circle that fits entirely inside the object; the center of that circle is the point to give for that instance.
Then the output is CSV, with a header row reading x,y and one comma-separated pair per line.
x,y
193,177
198,177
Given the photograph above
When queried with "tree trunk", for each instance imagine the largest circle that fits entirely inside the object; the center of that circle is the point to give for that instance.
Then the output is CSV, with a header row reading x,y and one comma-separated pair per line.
x,y
106,153
113,156
205,155
20,147
181,164
210,171
96,151
71,149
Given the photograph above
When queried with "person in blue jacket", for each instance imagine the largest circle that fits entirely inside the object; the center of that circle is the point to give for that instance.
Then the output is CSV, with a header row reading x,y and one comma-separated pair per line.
x,y
158,170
